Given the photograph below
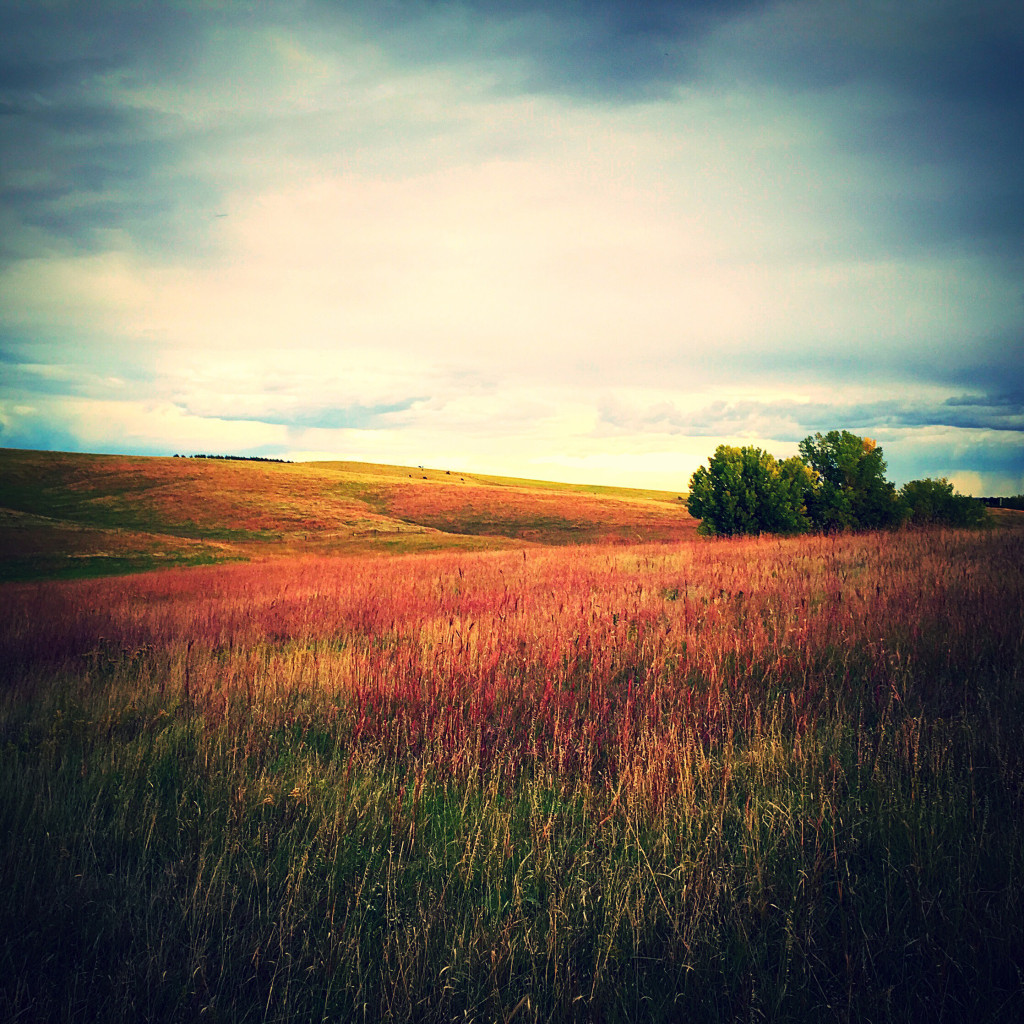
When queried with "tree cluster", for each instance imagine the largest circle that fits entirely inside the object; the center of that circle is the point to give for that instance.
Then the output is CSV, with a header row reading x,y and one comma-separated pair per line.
x,y
836,483
234,458
935,501
1015,501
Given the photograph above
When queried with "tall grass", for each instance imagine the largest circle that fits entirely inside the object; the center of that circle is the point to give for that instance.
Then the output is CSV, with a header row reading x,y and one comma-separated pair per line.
x,y
734,780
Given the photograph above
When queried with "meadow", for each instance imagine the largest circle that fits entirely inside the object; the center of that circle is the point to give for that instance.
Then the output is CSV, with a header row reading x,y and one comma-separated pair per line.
x,y
68,515
707,780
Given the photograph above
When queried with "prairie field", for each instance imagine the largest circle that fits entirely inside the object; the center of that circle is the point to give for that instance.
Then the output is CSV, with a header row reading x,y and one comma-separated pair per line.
x,y
706,780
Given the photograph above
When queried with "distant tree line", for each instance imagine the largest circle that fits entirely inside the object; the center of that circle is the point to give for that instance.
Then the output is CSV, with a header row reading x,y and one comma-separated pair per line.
x,y
1017,502
836,483
235,458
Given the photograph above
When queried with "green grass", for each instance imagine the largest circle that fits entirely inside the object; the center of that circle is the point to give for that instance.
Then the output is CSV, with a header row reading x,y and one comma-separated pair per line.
x,y
104,493
548,529
167,871
68,567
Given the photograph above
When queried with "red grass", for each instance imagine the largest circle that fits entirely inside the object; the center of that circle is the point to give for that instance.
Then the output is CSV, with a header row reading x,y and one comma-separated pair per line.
x,y
592,661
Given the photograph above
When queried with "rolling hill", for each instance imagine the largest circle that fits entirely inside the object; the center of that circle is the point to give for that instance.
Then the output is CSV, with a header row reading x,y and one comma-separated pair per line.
x,y
67,514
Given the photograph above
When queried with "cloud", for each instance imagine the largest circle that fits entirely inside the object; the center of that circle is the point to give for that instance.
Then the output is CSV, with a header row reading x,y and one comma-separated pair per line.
x,y
605,50
147,428
792,420
932,88
574,231
301,417
984,462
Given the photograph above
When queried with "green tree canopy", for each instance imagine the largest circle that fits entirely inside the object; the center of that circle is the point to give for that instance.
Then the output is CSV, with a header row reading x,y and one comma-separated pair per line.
x,y
935,501
838,484
852,491
746,490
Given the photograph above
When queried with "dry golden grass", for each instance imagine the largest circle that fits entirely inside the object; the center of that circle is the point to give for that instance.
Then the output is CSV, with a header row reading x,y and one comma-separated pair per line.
x,y
532,513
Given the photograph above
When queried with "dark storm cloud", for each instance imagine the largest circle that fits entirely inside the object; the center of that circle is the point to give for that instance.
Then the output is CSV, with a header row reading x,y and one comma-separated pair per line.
x,y
950,103
952,70
60,44
948,93
77,160
992,366
42,435
75,170
989,463
601,49
80,160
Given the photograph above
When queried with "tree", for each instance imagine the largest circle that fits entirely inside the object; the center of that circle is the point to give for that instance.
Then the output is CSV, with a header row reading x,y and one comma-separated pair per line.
x,y
852,491
746,490
935,501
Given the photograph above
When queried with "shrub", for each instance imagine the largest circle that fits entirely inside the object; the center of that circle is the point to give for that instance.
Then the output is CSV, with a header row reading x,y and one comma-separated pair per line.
x,y
935,501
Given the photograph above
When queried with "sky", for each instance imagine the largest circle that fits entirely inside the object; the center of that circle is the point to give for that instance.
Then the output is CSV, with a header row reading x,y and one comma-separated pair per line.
x,y
581,241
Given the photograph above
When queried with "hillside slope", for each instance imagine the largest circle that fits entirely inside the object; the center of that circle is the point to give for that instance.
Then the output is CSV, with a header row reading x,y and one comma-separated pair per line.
x,y
71,514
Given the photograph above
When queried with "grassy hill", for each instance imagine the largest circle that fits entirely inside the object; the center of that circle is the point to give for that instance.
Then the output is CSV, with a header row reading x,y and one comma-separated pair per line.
x,y
84,515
